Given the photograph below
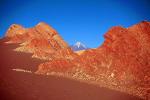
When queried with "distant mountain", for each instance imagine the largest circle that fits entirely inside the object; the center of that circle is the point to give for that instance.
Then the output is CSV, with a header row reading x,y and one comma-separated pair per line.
x,y
78,46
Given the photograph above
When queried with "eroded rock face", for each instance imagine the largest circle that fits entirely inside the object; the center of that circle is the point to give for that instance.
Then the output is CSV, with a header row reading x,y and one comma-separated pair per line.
x,y
60,65
15,30
42,40
125,53
130,49
123,58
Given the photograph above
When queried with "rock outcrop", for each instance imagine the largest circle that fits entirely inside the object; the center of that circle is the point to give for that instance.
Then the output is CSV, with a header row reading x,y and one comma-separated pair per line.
x,y
15,29
123,58
42,40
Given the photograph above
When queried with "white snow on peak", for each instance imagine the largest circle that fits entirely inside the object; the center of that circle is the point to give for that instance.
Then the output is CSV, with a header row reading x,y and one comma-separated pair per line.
x,y
79,44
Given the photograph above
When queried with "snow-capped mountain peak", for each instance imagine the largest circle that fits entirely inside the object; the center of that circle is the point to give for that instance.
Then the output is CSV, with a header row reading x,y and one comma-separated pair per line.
x,y
78,46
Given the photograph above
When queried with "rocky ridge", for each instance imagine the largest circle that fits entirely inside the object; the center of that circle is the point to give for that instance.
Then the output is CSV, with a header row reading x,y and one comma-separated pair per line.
x,y
122,61
42,40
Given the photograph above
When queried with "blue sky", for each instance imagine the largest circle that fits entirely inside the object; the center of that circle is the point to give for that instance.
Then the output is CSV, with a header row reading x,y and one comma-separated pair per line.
x,y
75,20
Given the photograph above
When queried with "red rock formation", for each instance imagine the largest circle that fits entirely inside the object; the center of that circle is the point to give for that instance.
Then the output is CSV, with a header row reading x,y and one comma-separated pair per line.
x,y
130,49
124,56
125,52
15,30
55,66
42,40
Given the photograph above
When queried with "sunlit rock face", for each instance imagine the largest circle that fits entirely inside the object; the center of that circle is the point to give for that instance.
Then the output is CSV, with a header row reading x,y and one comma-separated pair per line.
x,y
125,53
61,66
122,59
15,30
42,40
130,49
